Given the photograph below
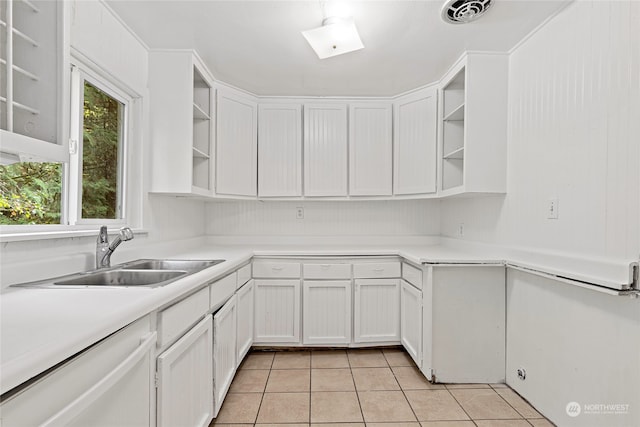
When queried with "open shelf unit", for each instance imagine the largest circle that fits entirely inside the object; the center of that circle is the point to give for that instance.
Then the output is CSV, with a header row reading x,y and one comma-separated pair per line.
x,y
202,130
30,68
473,125
184,113
453,131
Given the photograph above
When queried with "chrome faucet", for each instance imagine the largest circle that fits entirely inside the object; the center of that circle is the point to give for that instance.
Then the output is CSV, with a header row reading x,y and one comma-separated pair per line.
x,y
104,249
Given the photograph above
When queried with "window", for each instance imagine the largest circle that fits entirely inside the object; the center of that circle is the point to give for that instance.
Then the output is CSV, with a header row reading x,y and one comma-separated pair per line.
x,y
102,145
30,193
86,184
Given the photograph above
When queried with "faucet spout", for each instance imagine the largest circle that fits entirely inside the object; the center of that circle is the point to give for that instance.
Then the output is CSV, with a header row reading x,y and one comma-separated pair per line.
x,y
104,249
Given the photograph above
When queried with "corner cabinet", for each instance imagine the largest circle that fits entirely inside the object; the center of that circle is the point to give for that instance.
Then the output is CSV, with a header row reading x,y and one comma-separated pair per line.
x,y
415,143
473,125
236,144
183,117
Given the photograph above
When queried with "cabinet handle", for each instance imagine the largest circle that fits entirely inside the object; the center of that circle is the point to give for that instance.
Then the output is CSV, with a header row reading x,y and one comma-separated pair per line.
x,y
277,268
325,266
378,270
82,402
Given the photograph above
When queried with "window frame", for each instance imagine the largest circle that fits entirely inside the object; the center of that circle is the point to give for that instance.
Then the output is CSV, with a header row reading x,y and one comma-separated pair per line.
x,y
73,216
132,189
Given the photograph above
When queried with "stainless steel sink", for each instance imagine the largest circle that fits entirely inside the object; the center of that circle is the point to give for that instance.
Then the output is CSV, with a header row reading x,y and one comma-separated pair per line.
x,y
150,273
123,278
170,264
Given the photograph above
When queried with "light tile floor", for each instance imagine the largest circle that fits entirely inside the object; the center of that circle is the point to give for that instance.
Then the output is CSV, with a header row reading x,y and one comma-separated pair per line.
x,y
358,388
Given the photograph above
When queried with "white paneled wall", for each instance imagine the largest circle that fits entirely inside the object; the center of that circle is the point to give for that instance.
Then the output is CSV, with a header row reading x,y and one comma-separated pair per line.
x,y
99,34
574,129
406,218
576,345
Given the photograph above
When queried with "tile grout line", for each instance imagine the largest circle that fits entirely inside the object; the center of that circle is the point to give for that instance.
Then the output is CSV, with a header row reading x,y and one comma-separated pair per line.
x,y
403,393
514,408
460,404
353,380
264,390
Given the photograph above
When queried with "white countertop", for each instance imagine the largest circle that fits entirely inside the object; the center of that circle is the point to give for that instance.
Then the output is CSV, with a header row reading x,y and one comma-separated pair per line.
x,y
42,327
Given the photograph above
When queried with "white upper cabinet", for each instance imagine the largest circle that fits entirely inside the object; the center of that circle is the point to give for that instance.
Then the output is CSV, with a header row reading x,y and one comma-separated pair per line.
x,y
473,131
34,77
415,143
370,149
236,153
325,150
183,114
280,150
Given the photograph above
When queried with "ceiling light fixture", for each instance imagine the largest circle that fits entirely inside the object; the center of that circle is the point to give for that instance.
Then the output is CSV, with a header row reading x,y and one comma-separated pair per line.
x,y
335,37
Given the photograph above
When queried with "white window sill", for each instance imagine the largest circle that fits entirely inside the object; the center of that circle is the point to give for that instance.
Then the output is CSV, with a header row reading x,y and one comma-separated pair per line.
x,y
60,234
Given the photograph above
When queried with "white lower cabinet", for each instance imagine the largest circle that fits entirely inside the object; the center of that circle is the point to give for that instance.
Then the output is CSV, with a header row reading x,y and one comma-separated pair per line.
x,y
376,310
244,329
411,320
326,312
110,384
277,311
184,379
224,351
464,324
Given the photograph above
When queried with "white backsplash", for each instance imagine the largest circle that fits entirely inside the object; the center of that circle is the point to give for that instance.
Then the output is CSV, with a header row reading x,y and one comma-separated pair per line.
x,y
322,218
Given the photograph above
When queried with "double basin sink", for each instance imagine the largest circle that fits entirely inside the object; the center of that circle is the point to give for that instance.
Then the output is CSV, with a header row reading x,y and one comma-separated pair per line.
x,y
150,273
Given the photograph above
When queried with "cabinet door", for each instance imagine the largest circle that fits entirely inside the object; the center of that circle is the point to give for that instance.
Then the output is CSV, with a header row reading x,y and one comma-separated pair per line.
x,y
185,370
245,320
236,145
377,310
280,150
411,320
224,351
277,313
415,143
110,384
326,312
370,150
325,150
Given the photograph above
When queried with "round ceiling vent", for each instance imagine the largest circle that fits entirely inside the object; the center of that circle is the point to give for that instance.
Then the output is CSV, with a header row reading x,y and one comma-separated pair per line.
x,y
463,11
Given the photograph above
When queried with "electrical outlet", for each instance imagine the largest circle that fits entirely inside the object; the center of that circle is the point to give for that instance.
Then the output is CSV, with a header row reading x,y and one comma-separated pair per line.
x,y
522,374
461,229
299,213
552,208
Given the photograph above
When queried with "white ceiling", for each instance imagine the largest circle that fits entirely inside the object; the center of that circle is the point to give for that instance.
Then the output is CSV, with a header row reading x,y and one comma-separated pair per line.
x,y
257,45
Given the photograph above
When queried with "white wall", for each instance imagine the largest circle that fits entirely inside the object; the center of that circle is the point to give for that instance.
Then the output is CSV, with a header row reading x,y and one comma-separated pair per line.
x,y
576,345
573,133
324,218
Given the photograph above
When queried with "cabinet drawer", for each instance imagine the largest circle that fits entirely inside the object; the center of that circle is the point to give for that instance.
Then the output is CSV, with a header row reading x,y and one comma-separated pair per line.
x,y
377,269
176,319
244,275
222,290
268,269
326,271
412,275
